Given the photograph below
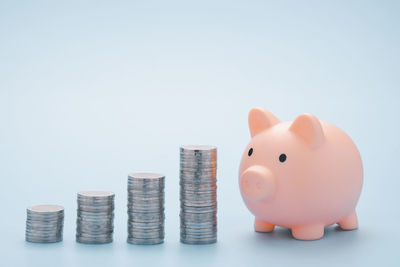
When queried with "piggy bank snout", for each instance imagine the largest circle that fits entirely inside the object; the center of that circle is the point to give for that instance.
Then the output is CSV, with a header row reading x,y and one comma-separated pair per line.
x,y
257,183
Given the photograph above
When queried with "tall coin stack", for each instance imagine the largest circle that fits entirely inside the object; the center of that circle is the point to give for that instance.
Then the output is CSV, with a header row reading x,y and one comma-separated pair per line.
x,y
44,223
95,220
198,194
146,208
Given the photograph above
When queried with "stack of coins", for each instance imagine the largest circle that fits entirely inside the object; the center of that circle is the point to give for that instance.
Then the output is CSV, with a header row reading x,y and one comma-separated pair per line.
x,y
198,194
95,221
44,223
146,208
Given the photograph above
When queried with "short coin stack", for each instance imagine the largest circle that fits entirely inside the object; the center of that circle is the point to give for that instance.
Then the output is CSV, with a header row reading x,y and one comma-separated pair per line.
x,y
44,223
146,208
95,221
198,194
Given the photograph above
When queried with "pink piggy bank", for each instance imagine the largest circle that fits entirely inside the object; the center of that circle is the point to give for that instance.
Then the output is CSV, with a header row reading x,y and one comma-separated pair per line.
x,y
303,175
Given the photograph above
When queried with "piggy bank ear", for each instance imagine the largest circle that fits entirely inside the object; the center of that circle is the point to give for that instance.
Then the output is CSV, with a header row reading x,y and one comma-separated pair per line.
x,y
260,120
308,128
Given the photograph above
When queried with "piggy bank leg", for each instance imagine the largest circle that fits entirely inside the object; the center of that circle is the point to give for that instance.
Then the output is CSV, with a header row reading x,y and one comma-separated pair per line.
x,y
308,232
350,222
263,227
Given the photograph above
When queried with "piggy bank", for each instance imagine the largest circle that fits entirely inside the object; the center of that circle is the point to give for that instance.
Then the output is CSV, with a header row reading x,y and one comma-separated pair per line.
x,y
303,175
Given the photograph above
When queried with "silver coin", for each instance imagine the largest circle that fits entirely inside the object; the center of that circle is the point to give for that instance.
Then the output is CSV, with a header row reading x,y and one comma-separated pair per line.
x,y
42,234
43,226
45,220
148,189
146,176
141,236
95,212
85,240
96,200
200,148
198,235
197,193
44,217
50,239
198,242
201,156
199,229
145,209
199,219
197,159
188,209
90,219
138,234
193,233
96,194
150,205
150,197
198,203
45,209
149,228
47,223
196,166
197,197
43,241
198,206
147,196
143,183
155,192
91,229
198,182
41,230
146,235
95,216
197,179
92,226
95,235
145,226
143,220
195,188
145,241
145,203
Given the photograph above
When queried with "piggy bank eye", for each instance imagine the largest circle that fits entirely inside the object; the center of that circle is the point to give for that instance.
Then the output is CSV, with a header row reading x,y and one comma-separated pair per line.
x,y
250,152
282,158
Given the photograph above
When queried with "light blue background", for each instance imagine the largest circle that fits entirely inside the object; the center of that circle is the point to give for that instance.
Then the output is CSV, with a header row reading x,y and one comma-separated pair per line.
x,y
93,90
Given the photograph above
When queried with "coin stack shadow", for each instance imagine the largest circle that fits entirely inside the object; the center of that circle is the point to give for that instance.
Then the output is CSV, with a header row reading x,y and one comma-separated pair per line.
x,y
146,208
44,223
198,194
95,217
